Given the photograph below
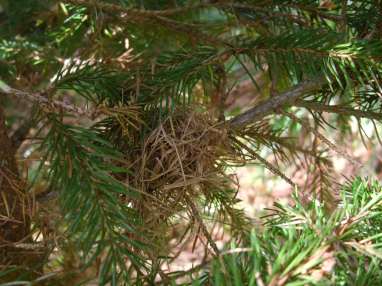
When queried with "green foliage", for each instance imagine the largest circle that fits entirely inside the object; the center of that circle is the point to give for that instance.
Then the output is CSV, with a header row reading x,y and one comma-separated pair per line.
x,y
305,245
97,84
120,85
81,171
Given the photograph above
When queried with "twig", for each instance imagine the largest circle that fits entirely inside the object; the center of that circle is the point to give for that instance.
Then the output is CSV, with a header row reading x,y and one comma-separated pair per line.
x,y
324,139
315,11
133,16
187,272
137,13
142,13
198,218
191,30
268,165
274,103
42,99
338,109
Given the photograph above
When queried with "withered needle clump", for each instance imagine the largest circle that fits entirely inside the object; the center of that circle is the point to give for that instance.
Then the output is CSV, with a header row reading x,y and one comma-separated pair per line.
x,y
181,161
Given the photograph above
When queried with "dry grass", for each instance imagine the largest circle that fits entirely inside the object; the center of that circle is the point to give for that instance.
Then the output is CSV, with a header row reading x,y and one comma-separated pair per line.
x,y
180,162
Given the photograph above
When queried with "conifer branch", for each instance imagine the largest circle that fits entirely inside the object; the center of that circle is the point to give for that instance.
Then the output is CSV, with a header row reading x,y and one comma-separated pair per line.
x,y
203,227
274,103
116,180
142,13
160,17
42,99
330,144
342,110
268,165
136,13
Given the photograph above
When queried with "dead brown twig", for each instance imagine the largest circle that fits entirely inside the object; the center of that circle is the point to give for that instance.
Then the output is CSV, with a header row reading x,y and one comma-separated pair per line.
x,y
42,99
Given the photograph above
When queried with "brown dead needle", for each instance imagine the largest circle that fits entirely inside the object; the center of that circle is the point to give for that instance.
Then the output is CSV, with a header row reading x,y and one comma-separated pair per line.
x,y
182,160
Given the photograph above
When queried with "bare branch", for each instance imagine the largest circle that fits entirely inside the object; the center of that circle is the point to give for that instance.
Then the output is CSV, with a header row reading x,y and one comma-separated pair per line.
x,y
42,99
136,13
142,13
338,110
325,140
274,103
268,165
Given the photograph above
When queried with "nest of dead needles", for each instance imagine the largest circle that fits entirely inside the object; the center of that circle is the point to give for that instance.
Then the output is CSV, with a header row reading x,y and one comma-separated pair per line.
x,y
179,163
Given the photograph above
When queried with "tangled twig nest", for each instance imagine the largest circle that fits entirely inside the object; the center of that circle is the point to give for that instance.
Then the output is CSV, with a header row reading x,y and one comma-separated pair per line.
x,y
181,161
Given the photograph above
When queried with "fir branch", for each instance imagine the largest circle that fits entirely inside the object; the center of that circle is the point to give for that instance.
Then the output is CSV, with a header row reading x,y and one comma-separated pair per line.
x,y
157,17
316,11
41,98
203,227
274,103
108,212
82,171
338,109
136,13
303,245
142,13
267,165
330,144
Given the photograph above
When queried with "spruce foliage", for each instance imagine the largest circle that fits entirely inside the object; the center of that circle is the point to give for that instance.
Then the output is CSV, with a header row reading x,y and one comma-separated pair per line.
x,y
118,114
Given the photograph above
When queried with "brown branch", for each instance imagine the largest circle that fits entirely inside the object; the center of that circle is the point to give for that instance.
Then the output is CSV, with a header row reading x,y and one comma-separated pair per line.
x,y
268,165
274,103
134,16
203,227
161,17
325,140
314,106
137,13
42,100
142,13
190,30
316,11
193,31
